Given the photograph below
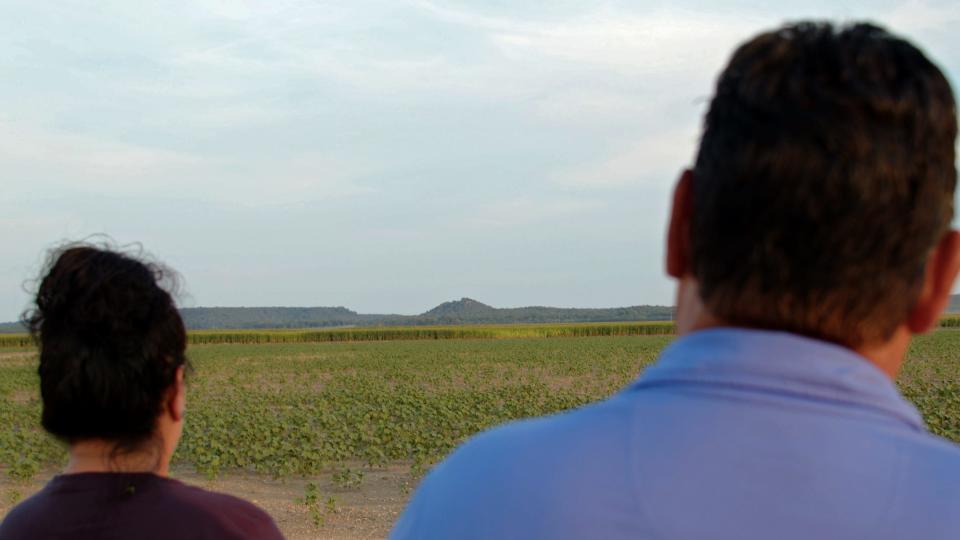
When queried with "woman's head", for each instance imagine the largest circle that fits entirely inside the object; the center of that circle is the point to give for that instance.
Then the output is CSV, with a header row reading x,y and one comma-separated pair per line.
x,y
112,346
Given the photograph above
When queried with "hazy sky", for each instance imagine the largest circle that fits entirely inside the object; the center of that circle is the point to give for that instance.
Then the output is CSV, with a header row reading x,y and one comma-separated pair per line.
x,y
384,156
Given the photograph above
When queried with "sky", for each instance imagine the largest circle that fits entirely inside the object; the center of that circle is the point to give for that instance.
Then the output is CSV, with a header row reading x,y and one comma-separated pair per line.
x,y
385,156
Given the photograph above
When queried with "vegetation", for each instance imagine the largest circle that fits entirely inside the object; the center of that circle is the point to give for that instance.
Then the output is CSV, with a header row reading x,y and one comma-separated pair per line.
x,y
318,513
405,333
302,408
18,341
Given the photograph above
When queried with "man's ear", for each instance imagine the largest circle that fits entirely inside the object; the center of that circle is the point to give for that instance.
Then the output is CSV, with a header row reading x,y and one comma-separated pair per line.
x,y
176,397
943,264
678,232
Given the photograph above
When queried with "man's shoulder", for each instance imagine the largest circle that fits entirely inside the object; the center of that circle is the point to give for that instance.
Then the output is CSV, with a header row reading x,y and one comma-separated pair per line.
x,y
596,429
570,464
934,458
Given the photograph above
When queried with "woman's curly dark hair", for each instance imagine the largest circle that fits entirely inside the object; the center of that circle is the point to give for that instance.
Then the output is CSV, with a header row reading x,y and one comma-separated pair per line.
x,y
111,340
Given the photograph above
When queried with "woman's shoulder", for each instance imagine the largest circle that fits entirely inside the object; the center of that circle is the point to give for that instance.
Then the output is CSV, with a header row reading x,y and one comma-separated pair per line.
x,y
219,510
141,505
22,519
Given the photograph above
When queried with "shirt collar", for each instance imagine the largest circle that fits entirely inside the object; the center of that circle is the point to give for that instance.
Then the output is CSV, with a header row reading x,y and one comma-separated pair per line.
x,y
780,362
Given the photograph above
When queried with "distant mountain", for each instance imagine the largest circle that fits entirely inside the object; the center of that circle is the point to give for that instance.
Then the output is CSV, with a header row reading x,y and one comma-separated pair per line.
x,y
267,317
11,328
463,311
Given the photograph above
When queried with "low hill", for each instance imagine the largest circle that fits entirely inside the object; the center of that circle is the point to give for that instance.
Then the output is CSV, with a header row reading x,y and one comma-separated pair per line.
x,y
267,317
12,328
463,311
470,311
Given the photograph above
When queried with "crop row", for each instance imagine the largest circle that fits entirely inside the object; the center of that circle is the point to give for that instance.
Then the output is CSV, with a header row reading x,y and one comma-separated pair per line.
x,y
409,333
402,333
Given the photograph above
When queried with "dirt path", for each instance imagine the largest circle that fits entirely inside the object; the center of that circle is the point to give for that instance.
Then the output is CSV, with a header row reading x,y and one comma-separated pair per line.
x,y
340,513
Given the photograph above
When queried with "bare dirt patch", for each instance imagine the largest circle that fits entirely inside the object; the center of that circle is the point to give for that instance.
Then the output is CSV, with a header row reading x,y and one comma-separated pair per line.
x,y
17,358
22,397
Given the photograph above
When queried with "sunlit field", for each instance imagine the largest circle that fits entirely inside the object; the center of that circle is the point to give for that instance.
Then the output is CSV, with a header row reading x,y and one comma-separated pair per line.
x,y
354,413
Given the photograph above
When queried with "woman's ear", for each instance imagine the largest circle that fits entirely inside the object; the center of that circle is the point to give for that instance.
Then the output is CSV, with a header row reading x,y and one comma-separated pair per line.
x,y
177,398
942,267
678,231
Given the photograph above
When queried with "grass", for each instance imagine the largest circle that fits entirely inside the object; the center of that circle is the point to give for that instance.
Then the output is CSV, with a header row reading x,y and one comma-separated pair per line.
x,y
302,408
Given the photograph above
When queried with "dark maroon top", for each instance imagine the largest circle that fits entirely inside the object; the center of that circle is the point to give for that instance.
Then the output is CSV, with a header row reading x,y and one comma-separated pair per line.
x,y
118,506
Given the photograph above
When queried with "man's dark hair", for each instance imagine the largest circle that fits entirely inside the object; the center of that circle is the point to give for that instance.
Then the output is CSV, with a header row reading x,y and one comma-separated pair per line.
x,y
824,178
111,340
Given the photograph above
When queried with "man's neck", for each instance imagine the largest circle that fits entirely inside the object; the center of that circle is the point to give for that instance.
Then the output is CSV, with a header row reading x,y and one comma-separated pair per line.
x,y
888,357
692,316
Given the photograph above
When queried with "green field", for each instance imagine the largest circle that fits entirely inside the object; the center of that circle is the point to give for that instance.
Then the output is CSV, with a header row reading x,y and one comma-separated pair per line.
x,y
302,408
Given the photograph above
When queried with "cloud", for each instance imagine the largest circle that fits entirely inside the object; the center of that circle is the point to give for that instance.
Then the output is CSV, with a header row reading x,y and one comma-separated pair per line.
x,y
523,211
243,10
300,180
35,158
55,163
388,122
596,106
657,44
654,160
917,16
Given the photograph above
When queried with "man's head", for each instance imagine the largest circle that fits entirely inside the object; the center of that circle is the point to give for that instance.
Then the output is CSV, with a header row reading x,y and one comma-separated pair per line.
x,y
823,185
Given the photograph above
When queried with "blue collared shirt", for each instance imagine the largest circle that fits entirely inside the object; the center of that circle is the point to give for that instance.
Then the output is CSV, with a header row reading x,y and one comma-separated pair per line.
x,y
733,434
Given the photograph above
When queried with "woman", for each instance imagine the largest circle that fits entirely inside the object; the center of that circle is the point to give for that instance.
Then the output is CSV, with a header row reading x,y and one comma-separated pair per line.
x,y
112,364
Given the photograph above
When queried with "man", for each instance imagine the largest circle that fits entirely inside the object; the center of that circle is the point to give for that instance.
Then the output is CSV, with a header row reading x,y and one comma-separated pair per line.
x,y
810,242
